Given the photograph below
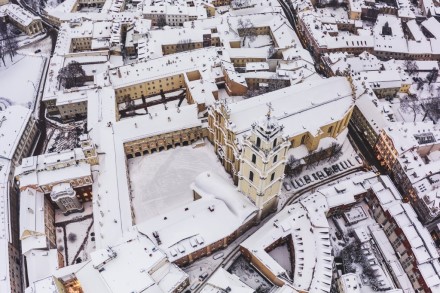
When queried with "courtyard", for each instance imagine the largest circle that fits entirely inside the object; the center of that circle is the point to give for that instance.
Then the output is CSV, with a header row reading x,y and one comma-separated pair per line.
x,y
160,182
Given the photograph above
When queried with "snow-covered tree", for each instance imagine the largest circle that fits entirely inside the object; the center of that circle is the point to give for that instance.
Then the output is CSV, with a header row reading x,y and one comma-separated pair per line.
x,y
72,75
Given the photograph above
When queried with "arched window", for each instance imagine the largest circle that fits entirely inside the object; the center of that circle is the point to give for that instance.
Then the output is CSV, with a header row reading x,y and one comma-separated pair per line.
x,y
258,142
254,158
274,143
275,159
251,176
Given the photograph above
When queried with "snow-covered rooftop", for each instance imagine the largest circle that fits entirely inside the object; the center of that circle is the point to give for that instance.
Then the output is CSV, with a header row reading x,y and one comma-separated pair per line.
x,y
316,102
221,210
13,122
305,222
133,264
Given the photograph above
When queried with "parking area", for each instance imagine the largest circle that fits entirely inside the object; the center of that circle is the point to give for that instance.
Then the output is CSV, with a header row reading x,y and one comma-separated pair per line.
x,y
320,173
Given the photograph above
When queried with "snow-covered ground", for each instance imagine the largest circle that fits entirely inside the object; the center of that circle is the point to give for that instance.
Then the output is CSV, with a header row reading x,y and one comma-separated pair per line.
x,y
223,95
45,45
291,188
18,78
61,137
249,275
282,256
161,182
368,248
74,234
260,41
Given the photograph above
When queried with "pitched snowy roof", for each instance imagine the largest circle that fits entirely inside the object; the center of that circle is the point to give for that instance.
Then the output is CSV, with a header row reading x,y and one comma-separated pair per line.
x,y
221,281
201,59
13,121
19,14
219,213
300,108
433,26
306,223
111,183
133,264
32,220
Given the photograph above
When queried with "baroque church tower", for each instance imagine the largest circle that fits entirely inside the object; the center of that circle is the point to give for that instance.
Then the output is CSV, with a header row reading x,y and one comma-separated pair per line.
x,y
262,164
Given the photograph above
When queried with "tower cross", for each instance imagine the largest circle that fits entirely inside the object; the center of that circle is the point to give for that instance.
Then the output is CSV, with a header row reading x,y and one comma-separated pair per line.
x,y
269,110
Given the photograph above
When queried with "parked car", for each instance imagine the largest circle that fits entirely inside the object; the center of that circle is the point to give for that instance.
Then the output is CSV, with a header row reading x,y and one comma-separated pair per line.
x,y
37,51
203,276
307,179
294,184
336,168
287,186
314,176
300,184
328,171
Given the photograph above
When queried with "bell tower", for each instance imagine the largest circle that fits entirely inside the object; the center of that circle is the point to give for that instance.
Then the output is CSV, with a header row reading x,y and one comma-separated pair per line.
x,y
262,163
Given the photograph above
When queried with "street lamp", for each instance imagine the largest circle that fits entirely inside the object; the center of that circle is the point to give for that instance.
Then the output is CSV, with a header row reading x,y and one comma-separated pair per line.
x,y
33,84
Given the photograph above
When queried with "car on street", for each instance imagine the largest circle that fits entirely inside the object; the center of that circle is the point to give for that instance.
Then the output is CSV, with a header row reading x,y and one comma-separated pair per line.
x,y
294,184
203,276
336,168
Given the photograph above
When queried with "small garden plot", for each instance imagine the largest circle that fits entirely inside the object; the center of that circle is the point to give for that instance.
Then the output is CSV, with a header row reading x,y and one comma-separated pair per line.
x,y
75,235
249,275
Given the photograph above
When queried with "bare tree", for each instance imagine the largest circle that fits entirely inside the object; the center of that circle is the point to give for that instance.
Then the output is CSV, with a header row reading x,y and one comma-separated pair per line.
x,y
420,83
161,21
240,3
246,30
410,104
277,83
432,108
2,52
432,75
273,84
293,167
72,75
8,40
411,66
184,45
335,152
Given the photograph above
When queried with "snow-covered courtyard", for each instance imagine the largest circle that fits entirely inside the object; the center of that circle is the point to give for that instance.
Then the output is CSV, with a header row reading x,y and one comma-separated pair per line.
x,y
20,78
249,275
161,182
75,235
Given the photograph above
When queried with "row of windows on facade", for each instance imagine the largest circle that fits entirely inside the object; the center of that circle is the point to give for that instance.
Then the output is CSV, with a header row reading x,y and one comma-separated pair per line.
x,y
251,176
254,159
